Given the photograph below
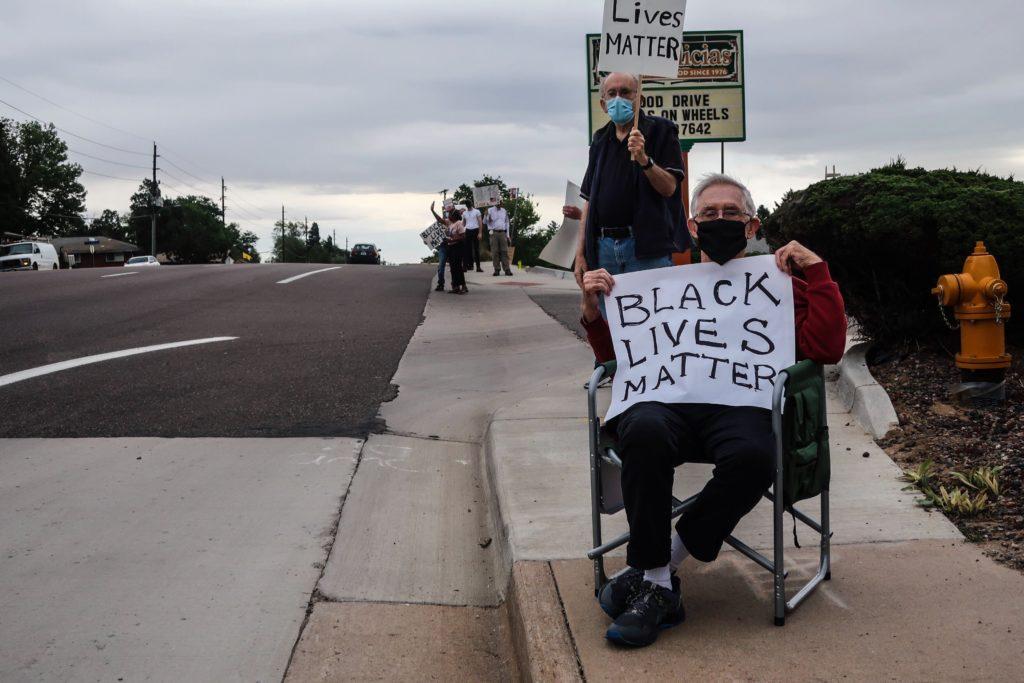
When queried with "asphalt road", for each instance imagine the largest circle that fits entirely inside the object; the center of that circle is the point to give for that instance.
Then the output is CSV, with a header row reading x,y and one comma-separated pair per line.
x,y
313,357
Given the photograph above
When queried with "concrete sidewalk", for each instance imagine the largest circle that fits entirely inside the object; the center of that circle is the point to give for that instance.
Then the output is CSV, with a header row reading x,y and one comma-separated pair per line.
x,y
908,598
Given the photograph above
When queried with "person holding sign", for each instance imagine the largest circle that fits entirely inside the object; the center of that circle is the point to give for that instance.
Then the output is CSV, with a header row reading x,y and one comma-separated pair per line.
x,y
655,437
456,243
631,187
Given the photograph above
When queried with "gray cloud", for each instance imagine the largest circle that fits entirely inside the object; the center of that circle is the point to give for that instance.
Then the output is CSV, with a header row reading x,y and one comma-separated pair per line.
x,y
295,101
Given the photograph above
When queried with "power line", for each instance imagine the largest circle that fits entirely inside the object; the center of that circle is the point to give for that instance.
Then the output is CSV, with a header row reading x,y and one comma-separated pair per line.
x,y
59,106
68,132
104,175
109,161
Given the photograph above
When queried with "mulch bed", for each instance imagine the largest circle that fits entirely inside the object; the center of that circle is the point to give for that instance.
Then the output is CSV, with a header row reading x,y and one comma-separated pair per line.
x,y
958,438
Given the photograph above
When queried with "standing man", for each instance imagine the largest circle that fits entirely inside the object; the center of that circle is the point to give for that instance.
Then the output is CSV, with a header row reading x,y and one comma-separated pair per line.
x,y
497,221
473,219
631,188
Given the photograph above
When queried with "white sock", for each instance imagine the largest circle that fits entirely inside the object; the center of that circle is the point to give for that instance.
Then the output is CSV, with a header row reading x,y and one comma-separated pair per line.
x,y
679,552
660,577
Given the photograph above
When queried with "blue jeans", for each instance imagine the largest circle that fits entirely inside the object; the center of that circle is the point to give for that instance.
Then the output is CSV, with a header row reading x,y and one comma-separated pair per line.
x,y
442,259
618,256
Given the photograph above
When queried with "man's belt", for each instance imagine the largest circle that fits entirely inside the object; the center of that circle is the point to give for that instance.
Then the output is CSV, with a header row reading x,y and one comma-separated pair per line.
x,y
616,233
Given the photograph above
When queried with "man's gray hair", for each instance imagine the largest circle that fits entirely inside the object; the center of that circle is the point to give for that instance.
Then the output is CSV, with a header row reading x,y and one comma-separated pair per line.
x,y
604,80
722,179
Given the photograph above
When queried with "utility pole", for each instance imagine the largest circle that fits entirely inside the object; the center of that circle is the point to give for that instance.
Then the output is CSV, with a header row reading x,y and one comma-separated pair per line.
x,y
154,203
305,235
723,159
223,213
282,233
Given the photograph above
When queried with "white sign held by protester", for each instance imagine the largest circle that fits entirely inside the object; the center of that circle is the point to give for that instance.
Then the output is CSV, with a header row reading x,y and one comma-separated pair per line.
x,y
642,37
488,195
434,236
701,333
561,249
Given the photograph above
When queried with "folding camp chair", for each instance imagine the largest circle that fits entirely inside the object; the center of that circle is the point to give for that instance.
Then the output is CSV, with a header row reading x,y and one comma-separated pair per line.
x,y
606,494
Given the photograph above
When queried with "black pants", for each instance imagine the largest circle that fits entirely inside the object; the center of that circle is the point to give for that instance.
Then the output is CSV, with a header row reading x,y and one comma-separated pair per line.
x,y
456,256
472,249
654,438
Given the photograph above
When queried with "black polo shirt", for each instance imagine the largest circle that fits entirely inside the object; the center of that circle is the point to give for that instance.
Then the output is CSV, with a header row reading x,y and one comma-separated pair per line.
x,y
619,193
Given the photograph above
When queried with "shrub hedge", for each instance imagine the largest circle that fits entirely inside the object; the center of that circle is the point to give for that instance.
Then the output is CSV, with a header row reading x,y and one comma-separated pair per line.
x,y
888,234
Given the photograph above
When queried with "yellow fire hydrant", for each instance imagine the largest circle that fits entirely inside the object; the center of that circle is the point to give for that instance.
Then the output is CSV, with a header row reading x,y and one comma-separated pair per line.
x,y
978,297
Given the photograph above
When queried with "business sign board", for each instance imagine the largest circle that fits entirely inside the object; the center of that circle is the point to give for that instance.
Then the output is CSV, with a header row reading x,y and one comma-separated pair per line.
x,y
706,98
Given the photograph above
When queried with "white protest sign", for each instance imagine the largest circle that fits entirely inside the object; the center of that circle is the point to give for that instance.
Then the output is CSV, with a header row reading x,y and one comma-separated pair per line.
x,y
434,236
561,250
488,195
642,37
701,333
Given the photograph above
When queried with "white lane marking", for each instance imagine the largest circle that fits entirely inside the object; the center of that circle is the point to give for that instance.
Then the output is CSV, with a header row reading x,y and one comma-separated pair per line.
x,y
86,360
302,275
121,274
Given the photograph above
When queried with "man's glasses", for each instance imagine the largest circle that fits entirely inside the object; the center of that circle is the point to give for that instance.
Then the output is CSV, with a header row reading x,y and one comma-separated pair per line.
x,y
710,214
624,93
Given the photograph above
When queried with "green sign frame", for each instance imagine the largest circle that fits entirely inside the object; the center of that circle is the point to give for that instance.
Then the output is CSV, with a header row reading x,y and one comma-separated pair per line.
x,y
726,81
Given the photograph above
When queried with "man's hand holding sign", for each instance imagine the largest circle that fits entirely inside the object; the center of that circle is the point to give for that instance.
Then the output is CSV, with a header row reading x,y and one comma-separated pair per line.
x,y
698,348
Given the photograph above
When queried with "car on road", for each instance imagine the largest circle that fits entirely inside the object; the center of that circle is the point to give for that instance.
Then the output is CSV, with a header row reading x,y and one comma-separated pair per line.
x,y
365,253
29,256
136,261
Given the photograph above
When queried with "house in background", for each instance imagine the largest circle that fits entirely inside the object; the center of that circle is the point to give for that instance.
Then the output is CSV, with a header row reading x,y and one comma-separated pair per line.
x,y
93,252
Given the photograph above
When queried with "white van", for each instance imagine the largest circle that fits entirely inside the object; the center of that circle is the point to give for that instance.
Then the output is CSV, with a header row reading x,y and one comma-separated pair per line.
x,y
28,256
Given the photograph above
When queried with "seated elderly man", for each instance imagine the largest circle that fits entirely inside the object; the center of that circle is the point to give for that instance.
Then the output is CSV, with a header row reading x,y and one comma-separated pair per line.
x,y
656,437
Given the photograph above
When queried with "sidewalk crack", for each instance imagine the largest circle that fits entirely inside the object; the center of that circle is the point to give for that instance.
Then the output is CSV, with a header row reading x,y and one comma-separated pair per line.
x,y
565,620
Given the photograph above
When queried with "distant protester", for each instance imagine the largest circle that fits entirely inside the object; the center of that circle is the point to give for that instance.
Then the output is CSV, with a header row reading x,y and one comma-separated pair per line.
x,y
498,223
473,220
456,244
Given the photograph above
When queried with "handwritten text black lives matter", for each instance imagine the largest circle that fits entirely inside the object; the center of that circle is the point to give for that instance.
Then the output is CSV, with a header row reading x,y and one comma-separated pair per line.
x,y
640,42
685,335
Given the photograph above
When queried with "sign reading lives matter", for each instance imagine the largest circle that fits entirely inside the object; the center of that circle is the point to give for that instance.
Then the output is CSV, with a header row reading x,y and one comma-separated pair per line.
x,y
701,333
642,37
705,98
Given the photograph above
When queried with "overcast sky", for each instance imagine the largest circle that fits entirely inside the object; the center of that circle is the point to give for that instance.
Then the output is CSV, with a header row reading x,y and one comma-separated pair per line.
x,y
356,113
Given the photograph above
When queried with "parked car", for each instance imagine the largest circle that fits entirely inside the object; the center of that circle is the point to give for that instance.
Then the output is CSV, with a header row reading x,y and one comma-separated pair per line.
x,y
365,253
28,256
141,261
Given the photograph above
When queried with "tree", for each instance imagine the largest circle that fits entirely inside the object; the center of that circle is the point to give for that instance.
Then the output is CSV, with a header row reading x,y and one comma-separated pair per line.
x,y
314,236
290,248
888,234
531,242
39,188
188,229
109,224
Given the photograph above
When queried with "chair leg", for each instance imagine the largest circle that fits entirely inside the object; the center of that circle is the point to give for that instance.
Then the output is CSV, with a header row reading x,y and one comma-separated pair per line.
x,y
778,513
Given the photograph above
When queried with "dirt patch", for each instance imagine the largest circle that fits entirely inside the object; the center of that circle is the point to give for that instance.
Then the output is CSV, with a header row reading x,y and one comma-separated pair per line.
x,y
959,439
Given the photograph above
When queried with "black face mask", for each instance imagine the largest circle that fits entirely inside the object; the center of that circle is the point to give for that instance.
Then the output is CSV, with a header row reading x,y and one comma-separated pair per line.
x,y
721,239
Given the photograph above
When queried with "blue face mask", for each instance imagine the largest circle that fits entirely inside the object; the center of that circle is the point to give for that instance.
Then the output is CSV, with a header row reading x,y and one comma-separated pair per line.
x,y
620,110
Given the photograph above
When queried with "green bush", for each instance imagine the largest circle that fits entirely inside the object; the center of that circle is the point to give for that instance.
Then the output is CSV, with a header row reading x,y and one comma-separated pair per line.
x,y
888,234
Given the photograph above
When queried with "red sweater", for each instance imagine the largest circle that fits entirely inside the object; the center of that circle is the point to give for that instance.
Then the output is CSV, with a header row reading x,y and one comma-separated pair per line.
x,y
818,311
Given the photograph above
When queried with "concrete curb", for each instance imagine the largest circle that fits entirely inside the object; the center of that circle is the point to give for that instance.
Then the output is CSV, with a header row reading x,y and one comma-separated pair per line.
x,y
553,272
862,395
540,634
